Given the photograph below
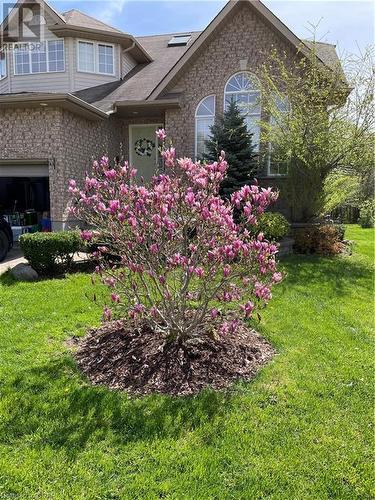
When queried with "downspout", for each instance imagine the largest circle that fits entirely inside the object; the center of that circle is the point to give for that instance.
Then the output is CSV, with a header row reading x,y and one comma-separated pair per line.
x,y
124,51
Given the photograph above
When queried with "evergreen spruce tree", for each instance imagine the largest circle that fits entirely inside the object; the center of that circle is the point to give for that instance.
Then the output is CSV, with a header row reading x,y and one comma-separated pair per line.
x,y
230,134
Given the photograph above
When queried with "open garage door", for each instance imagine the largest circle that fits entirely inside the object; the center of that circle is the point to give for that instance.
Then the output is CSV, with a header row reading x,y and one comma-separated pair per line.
x,y
24,195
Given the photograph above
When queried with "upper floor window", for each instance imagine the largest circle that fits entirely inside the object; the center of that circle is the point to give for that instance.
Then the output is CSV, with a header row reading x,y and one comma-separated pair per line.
x,y
3,64
95,57
45,57
243,89
204,119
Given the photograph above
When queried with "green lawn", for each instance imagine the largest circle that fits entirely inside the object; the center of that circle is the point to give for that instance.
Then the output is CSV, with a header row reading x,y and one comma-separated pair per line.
x,y
303,429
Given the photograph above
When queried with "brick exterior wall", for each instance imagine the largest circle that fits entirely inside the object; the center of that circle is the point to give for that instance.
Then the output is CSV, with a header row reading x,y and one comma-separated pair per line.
x,y
66,140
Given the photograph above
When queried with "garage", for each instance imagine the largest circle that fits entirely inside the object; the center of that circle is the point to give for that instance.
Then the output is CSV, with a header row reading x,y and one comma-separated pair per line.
x,y
25,196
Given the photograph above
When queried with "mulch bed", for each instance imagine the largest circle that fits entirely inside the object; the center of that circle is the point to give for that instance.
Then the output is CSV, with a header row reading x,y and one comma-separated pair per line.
x,y
121,355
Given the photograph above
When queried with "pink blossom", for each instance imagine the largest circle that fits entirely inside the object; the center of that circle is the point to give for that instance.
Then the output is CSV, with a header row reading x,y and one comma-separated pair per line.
x,y
115,297
86,235
190,198
110,174
114,205
214,312
199,271
161,135
248,308
277,277
154,248
107,314
226,271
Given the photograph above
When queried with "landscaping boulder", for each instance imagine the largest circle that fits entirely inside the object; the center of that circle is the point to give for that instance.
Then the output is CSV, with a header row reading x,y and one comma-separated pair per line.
x,y
24,272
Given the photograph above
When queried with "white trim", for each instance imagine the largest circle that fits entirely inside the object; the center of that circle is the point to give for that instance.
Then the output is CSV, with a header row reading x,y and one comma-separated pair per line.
x,y
24,170
29,52
96,57
140,125
196,118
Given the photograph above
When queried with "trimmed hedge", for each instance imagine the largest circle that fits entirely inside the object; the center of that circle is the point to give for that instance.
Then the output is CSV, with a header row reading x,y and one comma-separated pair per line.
x,y
48,253
273,225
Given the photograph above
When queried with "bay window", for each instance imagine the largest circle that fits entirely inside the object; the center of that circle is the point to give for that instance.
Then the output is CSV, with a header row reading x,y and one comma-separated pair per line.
x,y
44,57
3,64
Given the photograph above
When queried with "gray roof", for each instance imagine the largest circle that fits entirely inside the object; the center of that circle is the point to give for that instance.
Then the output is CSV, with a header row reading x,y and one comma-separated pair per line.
x,y
142,80
77,18
326,53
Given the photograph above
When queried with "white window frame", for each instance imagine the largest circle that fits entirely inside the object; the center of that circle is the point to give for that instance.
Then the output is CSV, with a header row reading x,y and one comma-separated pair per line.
x,y
29,52
5,65
270,149
96,57
197,118
253,78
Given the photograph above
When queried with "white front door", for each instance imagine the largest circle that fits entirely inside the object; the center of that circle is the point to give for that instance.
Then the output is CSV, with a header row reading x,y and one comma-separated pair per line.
x,y
143,149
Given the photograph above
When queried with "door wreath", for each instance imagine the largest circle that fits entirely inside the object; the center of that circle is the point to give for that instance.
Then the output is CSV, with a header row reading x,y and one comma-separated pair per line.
x,y
144,147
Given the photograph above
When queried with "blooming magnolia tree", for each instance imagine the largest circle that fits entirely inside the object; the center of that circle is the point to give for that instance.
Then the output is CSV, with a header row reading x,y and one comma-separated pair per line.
x,y
178,251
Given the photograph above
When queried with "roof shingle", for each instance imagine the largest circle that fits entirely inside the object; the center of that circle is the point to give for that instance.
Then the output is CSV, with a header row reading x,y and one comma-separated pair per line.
x,y
77,18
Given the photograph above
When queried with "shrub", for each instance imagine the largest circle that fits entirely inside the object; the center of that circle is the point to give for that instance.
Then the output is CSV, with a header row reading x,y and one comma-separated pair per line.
x,y
273,225
181,251
49,252
367,214
320,239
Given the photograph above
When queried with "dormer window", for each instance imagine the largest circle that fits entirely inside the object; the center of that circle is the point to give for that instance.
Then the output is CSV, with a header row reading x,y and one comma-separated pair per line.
x,y
94,57
179,40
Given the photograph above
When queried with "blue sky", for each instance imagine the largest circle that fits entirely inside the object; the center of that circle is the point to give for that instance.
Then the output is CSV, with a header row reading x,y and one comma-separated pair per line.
x,y
347,23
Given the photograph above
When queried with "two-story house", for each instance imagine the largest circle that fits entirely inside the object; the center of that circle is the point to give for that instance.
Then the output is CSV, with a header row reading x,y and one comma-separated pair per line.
x,y
87,89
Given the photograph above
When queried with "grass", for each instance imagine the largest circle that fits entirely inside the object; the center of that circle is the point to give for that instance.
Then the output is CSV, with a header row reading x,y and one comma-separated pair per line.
x,y
301,430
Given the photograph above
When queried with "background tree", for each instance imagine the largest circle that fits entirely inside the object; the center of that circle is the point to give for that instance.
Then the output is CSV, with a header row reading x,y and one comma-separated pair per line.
x,y
324,124
230,134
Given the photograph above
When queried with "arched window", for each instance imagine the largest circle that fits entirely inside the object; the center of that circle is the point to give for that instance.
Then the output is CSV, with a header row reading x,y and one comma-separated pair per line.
x,y
204,118
243,89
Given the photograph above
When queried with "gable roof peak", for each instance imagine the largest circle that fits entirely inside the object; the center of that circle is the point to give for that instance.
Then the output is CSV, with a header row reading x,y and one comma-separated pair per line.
x,y
76,17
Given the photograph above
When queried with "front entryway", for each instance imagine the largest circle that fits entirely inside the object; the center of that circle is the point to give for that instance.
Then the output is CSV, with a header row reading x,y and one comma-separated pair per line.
x,y
143,149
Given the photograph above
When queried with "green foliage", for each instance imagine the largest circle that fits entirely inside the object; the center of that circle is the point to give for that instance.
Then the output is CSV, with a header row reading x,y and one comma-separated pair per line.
x,y
306,415
49,252
340,190
367,214
230,134
325,239
273,225
324,125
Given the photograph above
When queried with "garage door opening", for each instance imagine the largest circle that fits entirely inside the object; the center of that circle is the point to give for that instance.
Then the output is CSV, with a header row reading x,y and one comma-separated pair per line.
x,y
25,199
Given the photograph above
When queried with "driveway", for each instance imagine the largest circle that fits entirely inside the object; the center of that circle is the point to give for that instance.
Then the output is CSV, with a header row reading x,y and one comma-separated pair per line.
x,y
14,257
